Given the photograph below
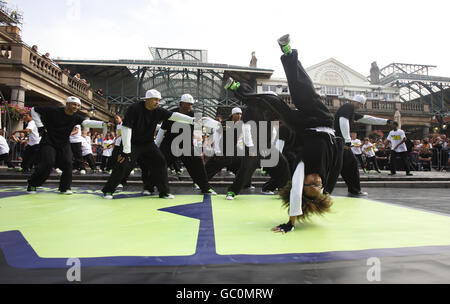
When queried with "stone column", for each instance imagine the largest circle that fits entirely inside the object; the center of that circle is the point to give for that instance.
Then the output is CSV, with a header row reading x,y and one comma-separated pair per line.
x,y
425,132
368,129
17,98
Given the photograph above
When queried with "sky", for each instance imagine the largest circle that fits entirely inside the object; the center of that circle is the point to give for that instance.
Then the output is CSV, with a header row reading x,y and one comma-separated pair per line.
x,y
354,32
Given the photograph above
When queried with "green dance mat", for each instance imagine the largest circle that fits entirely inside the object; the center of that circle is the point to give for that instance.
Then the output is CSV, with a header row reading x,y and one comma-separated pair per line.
x,y
196,229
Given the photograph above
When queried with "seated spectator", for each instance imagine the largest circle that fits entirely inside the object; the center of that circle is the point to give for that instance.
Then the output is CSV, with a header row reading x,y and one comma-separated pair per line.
x,y
382,157
77,76
34,48
425,155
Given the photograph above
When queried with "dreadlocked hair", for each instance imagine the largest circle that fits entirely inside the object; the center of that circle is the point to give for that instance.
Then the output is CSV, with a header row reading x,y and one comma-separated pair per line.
x,y
319,205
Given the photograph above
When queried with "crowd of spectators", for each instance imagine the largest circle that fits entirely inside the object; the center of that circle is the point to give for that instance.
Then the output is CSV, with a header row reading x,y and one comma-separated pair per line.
x,y
77,76
430,153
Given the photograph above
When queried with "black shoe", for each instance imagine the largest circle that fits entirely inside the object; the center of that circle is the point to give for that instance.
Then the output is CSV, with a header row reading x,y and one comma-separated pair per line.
x,y
359,194
409,174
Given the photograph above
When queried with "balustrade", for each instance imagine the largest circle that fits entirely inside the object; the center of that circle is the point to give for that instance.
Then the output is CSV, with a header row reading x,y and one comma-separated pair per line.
x,y
21,53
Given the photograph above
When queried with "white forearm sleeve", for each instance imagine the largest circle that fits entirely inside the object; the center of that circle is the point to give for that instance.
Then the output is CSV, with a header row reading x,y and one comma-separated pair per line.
x,y
37,118
95,124
345,129
279,144
160,137
178,117
126,139
210,123
295,200
370,120
248,141
217,138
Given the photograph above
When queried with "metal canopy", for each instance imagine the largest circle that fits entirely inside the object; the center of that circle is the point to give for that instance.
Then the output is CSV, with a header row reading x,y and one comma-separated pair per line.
x,y
126,81
416,84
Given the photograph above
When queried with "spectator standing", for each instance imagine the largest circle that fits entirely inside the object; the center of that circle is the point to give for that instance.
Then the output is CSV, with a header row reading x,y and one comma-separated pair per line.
x,y
397,138
4,151
356,149
369,152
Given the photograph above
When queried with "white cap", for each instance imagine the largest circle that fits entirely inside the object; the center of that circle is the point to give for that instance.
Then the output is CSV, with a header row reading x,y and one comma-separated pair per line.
x,y
236,111
152,94
187,98
73,99
359,98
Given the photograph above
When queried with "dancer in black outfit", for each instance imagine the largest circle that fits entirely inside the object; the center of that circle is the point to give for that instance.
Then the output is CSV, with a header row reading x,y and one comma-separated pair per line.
x,y
222,159
138,143
318,151
55,125
343,119
257,112
194,164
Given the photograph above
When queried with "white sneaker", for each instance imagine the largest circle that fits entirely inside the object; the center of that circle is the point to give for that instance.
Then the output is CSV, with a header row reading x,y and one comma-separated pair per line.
x,y
82,172
230,197
268,192
196,187
108,196
251,187
58,171
119,187
132,172
67,192
146,193
167,196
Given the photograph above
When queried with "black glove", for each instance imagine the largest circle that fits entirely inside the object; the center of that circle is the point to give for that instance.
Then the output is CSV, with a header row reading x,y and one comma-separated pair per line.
x,y
348,145
124,157
288,227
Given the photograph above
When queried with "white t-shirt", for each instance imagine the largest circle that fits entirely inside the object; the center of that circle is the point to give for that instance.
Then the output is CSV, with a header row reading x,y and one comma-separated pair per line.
x,y
33,137
107,151
119,134
86,148
356,146
395,137
77,138
368,150
4,148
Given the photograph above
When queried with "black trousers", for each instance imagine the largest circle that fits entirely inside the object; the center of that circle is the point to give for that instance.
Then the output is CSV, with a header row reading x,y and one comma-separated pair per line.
x,y
7,159
374,162
403,157
194,165
216,163
243,177
279,175
350,171
106,163
53,157
115,153
77,156
151,158
30,157
90,160
360,159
